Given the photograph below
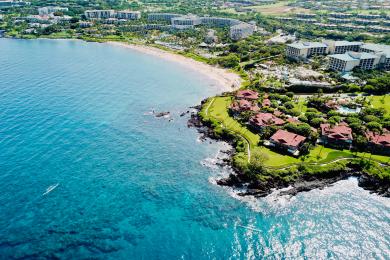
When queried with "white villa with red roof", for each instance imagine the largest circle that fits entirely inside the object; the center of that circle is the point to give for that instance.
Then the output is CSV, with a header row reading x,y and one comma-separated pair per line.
x,y
339,136
288,141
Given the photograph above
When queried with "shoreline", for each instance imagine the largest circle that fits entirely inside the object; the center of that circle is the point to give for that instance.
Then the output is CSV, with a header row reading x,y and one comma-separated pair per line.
x,y
249,186
225,80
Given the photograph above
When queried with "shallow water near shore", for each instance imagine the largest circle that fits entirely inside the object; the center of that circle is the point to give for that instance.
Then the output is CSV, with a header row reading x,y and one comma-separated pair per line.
x,y
86,171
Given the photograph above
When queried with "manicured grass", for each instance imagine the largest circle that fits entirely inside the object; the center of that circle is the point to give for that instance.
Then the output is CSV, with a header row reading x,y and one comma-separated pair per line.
x,y
217,109
301,105
381,102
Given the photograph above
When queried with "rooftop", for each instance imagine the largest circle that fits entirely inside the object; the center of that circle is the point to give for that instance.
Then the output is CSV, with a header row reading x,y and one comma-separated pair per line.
x,y
304,45
379,139
287,138
340,132
353,56
266,119
247,94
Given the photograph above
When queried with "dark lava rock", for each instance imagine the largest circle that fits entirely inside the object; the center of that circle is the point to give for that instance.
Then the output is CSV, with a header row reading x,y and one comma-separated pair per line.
x,y
161,114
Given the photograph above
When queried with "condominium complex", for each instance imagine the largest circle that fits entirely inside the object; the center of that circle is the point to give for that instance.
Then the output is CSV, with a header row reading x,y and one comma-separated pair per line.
x,y
241,31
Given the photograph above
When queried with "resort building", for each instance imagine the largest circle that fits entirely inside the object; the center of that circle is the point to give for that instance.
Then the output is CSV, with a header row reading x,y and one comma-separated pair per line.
x,y
303,50
218,21
367,22
128,15
85,24
381,50
339,21
99,14
305,15
247,94
241,31
339,136
340,15
162,16
185,22
369,16
379,143
262,120
287,141
350,60
51,9
340,47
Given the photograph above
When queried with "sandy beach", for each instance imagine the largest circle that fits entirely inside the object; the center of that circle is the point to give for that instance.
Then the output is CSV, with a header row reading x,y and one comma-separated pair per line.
x,y
224,79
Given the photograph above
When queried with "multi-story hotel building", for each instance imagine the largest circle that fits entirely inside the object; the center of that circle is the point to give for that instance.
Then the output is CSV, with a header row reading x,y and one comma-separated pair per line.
x,y
340,47
350,60
303,50
162,16
218,21
381,50
51,9
99,14
241,31
128,15
185,22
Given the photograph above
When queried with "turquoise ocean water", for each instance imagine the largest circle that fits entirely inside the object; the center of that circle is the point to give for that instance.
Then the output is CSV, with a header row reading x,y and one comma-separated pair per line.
x,y
87,172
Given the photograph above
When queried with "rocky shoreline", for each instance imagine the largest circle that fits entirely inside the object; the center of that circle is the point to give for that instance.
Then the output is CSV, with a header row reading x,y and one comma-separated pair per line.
x,y
254,187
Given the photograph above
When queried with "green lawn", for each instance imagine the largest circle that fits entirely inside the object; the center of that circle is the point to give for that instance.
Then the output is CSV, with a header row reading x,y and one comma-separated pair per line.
x,y
381,102
301,104
217,108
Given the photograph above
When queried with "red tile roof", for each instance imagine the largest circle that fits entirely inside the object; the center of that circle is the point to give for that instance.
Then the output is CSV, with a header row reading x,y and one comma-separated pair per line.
x,y
382,140
244,105
340,132
278,113
266,102
265,119
287,138
247,94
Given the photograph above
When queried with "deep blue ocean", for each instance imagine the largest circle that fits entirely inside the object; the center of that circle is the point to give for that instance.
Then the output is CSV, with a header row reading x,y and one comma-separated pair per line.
x,y
87,172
